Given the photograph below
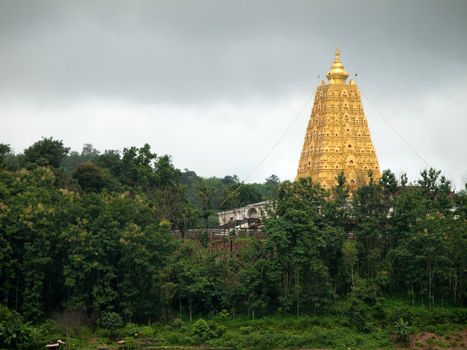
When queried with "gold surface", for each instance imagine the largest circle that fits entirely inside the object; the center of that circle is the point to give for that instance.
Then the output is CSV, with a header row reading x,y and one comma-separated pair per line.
x,y
337,137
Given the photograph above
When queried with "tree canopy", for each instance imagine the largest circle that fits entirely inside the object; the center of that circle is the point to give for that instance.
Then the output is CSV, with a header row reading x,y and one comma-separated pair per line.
x,y
95,235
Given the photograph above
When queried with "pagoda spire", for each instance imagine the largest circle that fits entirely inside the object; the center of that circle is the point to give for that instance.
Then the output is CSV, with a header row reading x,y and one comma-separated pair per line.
x,y
337,58
337,74
337,138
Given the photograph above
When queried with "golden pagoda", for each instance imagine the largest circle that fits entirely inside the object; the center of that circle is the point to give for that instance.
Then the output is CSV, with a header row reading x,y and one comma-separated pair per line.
x,y
337,137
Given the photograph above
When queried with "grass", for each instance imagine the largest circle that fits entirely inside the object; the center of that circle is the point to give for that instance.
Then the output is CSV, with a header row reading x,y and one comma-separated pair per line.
x,y
332,331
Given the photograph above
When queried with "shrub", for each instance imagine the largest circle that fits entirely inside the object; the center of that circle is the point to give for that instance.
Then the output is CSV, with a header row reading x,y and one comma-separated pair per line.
x,y
358,313
177,323
130,342
402,330
223,315
110,320
49,331
14,333
245,329
147,332
366,291
130,330
201,330
216,331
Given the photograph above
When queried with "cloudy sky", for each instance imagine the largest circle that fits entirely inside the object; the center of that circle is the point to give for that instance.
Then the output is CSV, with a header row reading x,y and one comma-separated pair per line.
x,y
216,84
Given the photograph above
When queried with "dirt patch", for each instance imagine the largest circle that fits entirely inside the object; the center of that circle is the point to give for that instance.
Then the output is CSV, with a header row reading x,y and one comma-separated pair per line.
x,y
431,341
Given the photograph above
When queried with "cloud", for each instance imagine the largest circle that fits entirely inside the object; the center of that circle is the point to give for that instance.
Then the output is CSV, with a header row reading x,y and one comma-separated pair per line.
x,y
215,84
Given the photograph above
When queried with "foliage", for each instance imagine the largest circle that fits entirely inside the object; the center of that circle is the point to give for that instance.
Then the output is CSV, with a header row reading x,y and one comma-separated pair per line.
x,y
45,152
402,330
110,320
89,176
14,333
5,150
95,237
334,331
201,331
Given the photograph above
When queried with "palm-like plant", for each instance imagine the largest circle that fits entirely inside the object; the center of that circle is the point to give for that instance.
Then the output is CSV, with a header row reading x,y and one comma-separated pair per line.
x,y
402,330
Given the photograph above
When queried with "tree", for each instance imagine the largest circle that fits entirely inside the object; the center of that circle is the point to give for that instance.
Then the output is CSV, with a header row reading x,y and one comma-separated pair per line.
x,y
337,208
31,230
271,187
4,151
350,254
88,154
90,177
144,256
304,247
168,290
46,152
370,209
388,182
204,197
138,167
188,269
111,160
229,180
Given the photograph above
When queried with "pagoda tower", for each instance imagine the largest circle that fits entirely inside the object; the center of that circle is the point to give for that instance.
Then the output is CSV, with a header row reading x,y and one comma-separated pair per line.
x,y
337,137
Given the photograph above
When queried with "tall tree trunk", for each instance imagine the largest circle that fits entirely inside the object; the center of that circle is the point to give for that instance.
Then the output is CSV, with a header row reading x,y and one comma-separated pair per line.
x,y
16,292
191,310
179,307
430,286
297,293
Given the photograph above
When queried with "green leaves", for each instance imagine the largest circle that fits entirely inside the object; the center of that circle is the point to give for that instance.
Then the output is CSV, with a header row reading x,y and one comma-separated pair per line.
x,y
14,332
46,152
300,250
402,330
97,238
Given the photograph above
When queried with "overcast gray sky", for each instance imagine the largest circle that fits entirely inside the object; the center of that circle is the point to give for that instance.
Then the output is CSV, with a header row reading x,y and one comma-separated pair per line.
x,y
216,83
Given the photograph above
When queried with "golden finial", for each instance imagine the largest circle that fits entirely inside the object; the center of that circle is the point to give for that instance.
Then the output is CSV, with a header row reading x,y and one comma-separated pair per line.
x,y
337,59
337,74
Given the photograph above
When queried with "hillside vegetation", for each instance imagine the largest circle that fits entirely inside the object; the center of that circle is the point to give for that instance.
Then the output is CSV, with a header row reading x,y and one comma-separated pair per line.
x,y
86,239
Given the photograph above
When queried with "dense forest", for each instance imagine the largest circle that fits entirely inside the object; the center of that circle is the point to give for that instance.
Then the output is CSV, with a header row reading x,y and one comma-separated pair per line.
x,y
91,233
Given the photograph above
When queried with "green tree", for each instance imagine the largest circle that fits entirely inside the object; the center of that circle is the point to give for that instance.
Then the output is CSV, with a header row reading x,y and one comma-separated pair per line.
x,y
111,160
370,209
88,154
350,255
90,177
5,150
388,182
204,198
304,247
31,230
46,152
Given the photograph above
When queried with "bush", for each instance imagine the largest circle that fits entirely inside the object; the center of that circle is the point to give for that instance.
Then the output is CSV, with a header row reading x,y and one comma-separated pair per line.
x,y
358,313
366,291
110,321
402,330
201,331
49,331
216,331
246,330
133,330
14,333
147,332
130,330
223,315
177,323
